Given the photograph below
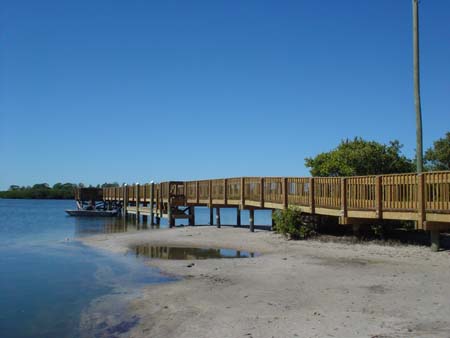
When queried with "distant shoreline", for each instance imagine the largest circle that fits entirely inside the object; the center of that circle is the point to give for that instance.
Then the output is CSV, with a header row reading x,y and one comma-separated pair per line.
x,y
36,199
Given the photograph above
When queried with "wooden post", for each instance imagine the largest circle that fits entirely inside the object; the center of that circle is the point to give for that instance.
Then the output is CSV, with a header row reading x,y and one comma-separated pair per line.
x,y
211,215
285,193
435,240
242,192
210,193
225,192
191,211
137,198
197,195
238,217
356,230
344,197
125,200
218,217
379,197
157,201
311,195
169,215
261,191
421,201
161,202
152,196
273,221
252,220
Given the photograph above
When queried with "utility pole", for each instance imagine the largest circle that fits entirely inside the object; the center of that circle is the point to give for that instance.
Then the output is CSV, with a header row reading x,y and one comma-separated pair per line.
x,y
419,146
434,234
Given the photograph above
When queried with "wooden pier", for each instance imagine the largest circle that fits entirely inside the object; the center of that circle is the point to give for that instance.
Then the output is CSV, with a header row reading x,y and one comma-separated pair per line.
x,y
422,198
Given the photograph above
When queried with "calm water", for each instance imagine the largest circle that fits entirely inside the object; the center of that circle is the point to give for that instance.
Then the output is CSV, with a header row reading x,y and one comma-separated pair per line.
x,y
53,286
49,281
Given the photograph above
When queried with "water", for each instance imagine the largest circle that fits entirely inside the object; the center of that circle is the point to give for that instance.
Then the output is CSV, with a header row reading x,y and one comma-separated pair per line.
x,y
51,285
182,253
48,283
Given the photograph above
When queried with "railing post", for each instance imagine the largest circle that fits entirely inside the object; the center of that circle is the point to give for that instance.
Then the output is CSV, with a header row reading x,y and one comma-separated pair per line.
x,y
242,192
421,201
262,191
125,200
137,198
210,193
197,194
225,192
285,193
152,195
344,197
379,197
161,201
312,201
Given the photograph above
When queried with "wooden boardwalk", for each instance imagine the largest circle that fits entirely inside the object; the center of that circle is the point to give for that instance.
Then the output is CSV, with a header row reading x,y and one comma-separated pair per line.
x,y
423,198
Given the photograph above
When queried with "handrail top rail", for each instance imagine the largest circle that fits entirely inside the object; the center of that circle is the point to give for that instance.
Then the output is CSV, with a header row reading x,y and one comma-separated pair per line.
x,y
295,177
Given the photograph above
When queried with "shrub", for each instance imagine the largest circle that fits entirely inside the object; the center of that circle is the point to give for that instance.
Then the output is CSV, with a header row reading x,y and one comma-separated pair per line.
x,y
291,223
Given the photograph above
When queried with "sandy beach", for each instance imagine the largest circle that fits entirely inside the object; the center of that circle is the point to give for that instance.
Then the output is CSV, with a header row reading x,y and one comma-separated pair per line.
x,y
292,289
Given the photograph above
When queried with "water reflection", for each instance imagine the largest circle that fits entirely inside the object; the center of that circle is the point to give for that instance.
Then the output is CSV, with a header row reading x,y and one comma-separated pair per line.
x,y
101,225
181,253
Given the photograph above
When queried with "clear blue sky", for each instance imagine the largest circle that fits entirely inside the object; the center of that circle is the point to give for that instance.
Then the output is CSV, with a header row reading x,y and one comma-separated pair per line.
x,y
126,91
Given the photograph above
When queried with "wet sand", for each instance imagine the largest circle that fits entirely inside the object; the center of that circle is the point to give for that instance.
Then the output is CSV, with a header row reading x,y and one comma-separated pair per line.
x,y
293,289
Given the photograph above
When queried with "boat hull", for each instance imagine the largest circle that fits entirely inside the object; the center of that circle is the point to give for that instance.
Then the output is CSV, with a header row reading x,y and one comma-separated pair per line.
x,y
92,213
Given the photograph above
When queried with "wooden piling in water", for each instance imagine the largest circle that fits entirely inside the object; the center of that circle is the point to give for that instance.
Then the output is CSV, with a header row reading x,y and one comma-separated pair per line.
x,y
152,203
211,216
218,217
191,212
252,220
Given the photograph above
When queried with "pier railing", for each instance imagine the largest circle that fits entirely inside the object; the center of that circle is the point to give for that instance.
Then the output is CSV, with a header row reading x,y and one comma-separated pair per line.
x,y
424,198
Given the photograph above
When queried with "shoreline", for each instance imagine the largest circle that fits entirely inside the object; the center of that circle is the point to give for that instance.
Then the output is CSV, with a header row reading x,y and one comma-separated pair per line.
x,y
293,288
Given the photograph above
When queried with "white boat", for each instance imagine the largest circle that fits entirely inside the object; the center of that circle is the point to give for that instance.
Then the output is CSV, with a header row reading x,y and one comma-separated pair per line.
x,y
93,213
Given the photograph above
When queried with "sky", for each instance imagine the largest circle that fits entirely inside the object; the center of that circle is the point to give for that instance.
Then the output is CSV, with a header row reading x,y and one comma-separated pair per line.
x,y
134,91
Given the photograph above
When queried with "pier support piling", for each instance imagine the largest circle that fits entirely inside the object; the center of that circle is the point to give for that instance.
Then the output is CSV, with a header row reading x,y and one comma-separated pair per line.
x,y
170,216
252,220
272,226
152,196
191,212
211,216
356,230
435,240
218,217
137,198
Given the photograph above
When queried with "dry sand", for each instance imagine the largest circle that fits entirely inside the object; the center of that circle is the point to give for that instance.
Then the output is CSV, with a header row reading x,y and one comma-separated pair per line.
x,y
293,289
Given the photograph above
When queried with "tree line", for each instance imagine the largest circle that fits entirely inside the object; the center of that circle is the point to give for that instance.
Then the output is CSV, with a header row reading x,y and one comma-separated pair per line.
x,y
45,191
356,157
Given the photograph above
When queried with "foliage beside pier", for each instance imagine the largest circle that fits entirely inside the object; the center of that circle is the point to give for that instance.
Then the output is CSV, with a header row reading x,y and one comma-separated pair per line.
x,y
359,157
290,223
